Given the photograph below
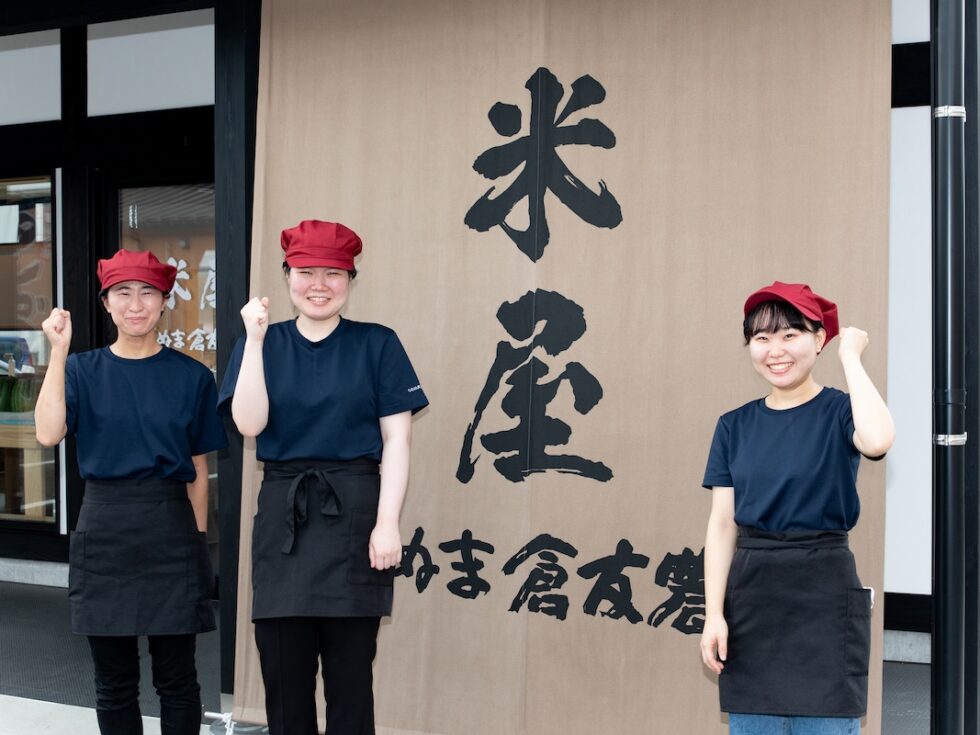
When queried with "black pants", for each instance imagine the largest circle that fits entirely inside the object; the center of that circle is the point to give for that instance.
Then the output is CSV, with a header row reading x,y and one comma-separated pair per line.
x,y
288,652
117,683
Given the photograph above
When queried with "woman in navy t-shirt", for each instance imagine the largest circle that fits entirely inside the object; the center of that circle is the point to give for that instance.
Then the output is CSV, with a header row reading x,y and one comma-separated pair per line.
x,y
144,418
327,399
788,622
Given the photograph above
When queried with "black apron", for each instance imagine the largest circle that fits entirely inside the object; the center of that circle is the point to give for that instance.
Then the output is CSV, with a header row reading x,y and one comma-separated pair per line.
x,y
799,627
137,563
310,541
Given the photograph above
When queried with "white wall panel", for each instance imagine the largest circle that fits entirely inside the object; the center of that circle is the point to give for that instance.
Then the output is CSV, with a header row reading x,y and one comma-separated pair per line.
x,y
908,512
155,63
910,21
30,77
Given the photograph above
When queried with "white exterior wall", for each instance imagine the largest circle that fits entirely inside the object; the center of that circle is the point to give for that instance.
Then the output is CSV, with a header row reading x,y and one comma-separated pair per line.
x,y
908,507
30,77
155,63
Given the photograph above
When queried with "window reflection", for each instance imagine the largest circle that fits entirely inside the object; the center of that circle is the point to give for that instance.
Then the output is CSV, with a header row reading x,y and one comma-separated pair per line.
x,y
176,224
27,470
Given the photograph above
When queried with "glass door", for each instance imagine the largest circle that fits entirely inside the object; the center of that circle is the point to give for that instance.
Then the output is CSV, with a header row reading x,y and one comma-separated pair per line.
x,y
28,473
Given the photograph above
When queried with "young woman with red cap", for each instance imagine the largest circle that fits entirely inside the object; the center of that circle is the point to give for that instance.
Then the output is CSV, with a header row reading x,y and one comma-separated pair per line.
x,y
788,623
327,399
144,418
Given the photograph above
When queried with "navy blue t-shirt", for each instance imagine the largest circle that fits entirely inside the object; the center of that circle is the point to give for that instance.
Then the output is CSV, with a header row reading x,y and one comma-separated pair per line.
x,y
793,469
141,418
325,398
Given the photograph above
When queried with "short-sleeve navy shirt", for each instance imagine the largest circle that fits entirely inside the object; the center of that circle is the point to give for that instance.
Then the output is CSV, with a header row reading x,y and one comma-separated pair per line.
x,y
135,419
326,397
793,469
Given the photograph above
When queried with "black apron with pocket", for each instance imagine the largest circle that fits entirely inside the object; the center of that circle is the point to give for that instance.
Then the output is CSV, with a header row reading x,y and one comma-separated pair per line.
x,y
310,541
799,627
137,563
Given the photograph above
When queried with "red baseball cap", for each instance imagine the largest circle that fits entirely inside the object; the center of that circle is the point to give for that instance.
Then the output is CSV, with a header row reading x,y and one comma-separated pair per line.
x,y
316,243
143,266
811,305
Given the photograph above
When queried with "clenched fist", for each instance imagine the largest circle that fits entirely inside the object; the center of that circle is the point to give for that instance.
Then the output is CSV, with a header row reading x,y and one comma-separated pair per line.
x,y
255,314
852,342
57,328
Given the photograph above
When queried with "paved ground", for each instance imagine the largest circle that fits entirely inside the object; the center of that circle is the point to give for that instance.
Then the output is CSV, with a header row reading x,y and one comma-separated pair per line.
x,y
46,674
29,716
41,659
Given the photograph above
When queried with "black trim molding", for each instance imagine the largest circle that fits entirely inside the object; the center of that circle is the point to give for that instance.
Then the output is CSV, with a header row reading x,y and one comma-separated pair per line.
x,y
236,30
911,77
908,612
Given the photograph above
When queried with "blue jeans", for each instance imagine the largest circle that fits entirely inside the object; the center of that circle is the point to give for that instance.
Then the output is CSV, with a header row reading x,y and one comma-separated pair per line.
x,y
775,725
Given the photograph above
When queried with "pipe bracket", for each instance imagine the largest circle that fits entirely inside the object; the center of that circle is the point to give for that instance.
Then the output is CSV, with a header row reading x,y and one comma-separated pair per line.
x,y
950,111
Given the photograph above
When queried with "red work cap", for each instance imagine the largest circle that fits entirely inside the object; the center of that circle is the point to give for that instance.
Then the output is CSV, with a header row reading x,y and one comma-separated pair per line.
x,y
143,266
811,305
316,243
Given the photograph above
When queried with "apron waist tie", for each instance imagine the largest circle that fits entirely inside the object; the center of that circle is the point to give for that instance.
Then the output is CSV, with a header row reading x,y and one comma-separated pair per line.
x,y
754,538
297,496
296,501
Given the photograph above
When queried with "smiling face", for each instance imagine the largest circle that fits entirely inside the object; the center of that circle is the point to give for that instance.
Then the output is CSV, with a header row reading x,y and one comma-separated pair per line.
x,y
135,307
318,293
783,344
785,357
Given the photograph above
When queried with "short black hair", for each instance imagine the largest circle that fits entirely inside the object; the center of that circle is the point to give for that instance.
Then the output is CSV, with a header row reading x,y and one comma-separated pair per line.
x,y
772,316
352,272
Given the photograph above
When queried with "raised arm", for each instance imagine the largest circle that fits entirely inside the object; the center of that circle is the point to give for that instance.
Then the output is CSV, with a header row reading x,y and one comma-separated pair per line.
x,y
385,547
874,431
719,548
250,404
50,412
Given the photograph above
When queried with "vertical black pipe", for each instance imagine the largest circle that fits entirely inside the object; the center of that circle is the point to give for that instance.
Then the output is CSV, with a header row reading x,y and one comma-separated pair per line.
x,y
971,677
949,368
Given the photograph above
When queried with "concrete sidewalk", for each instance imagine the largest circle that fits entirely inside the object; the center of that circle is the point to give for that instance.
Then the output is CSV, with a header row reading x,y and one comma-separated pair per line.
x,y
29,716
40,660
